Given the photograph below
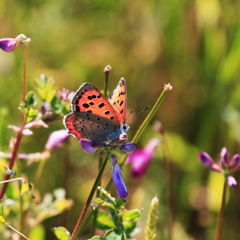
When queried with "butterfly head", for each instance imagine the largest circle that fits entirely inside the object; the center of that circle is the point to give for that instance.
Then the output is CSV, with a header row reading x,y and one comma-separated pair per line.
x,y
125,127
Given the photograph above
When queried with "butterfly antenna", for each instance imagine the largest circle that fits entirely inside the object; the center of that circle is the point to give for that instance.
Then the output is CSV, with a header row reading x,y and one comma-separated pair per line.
x,y
137,113
129,115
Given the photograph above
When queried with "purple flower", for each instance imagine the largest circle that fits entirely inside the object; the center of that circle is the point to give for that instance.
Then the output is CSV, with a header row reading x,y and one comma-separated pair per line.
x,y
117,178
141,158
227,164
126,148
234,163
9,44
91,147
207,161
224,158
56,138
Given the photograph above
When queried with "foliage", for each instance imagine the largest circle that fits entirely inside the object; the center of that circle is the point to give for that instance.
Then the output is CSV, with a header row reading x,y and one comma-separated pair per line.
x,y
194,45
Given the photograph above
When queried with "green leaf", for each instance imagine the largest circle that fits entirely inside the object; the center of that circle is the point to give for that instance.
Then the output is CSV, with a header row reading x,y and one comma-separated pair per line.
x,y
104,221
37,232
115,217
121,203
131,215
130,228
31,114
61,233
97,238
115,234
65,108
31,99
45,88
2,219
25,187
56,104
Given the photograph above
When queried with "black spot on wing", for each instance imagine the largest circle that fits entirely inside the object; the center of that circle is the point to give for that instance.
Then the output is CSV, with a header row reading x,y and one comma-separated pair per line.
x,y
101,105
85,105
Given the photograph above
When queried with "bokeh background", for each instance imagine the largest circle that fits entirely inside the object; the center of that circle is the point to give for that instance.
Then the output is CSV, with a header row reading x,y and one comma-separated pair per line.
x,y
193,45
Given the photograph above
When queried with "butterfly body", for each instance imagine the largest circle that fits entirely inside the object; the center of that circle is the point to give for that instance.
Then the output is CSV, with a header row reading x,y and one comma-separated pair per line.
x,y
95,118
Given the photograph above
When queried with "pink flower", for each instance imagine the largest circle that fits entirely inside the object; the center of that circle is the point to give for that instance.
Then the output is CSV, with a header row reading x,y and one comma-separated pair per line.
x,y
9,44
227,164
207,161
141,158
56,138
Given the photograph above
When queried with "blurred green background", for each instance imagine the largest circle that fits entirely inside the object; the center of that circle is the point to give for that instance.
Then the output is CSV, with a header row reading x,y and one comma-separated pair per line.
x,y
193,45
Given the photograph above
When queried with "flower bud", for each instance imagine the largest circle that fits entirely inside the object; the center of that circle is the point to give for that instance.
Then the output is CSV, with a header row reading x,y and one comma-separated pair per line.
x,y
231,181
224,158
10,44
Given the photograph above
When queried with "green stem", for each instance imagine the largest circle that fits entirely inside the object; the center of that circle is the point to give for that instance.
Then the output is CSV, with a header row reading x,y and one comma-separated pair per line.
x,y
144,125
24,87
169,187
89,199
100,160
17,231
86,220
220,215
39,172
95,212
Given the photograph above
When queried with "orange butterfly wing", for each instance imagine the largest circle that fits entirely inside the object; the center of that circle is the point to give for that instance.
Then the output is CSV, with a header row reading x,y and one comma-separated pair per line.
x,y
89,99
118,100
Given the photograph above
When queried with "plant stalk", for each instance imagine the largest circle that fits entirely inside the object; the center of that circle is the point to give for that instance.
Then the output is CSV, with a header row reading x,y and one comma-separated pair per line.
x,y
19,135
220,215
89,199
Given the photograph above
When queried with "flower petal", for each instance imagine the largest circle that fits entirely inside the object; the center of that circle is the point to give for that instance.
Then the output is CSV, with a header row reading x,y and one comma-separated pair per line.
x,y
10,44
207,161
117,178
234,164
87,146
91,147
231,181
224,157
56,138
126,148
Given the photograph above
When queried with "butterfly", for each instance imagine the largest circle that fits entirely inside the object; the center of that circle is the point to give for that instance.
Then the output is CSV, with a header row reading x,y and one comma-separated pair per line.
x,y
95,118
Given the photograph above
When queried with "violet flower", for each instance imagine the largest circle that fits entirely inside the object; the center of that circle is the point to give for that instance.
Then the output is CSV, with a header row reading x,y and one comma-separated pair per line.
x,y
141,158
227,164
117,178
91,147
10,44
56,138
126,148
